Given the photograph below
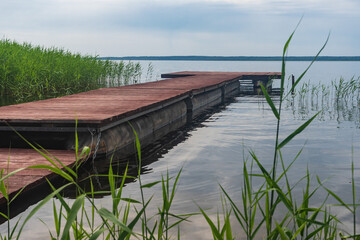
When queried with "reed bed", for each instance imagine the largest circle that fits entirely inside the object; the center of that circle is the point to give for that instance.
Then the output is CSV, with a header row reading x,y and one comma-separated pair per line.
x,y
30,72
339,100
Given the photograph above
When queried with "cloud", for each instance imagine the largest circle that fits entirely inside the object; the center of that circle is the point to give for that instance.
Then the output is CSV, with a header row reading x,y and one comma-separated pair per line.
x,y
163,27
284,6
190,17
176,15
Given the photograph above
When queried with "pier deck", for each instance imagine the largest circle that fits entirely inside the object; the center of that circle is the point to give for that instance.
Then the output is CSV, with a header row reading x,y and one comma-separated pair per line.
x,y
95,111
105,105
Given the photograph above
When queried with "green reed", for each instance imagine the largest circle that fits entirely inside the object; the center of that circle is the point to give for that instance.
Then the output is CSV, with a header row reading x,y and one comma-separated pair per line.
x,y
30,72
77,221
338,100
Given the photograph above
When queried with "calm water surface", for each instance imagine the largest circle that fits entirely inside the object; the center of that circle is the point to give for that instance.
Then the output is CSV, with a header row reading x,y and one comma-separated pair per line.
x,y
212,152
319,72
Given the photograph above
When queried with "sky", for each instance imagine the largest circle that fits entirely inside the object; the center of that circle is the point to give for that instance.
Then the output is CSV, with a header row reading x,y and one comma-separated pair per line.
x,y
184,27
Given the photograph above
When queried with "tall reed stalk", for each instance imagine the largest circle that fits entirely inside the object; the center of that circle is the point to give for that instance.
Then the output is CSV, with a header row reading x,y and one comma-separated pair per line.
x,y
300,220
277,112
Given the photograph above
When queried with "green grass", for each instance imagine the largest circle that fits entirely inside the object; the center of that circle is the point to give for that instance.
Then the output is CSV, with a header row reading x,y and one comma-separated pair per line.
x,y
30,72
254,214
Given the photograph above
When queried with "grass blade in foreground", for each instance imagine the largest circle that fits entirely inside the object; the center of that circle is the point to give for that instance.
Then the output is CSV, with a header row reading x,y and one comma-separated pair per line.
x,y
217,235
303,74
39,205
283,73
297,131
72,216
270,102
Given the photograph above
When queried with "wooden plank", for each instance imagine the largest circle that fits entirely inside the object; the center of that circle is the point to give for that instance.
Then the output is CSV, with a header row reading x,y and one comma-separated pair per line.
x,y
13,159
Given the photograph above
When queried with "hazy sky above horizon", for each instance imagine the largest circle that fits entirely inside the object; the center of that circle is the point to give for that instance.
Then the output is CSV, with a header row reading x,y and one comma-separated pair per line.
x,y
184,27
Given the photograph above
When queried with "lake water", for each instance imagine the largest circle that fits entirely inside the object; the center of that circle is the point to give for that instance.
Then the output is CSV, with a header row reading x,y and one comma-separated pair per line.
x,y
212,151
320,71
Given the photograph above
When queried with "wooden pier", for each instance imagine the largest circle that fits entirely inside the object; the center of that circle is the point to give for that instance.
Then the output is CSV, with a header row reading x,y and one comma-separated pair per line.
x,y
154,109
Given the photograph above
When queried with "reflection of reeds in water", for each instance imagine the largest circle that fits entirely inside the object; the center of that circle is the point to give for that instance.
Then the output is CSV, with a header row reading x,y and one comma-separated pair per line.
x,y
338,101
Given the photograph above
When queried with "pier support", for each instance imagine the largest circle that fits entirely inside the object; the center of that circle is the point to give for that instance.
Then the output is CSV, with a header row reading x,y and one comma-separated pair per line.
x,y
189,109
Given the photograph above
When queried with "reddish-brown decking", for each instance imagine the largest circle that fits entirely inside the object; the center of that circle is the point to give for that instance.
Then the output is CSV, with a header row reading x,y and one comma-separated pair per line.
x,y
98,107
13,159
109,104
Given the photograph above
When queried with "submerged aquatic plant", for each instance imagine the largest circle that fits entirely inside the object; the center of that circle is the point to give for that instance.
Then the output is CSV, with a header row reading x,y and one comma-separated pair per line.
x,y
339,100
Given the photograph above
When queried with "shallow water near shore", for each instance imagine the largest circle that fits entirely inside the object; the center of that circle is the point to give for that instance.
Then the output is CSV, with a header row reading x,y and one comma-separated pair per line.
x,y
212,152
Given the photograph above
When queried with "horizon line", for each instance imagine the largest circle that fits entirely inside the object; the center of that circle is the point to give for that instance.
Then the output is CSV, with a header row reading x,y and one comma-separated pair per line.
x,y
233,58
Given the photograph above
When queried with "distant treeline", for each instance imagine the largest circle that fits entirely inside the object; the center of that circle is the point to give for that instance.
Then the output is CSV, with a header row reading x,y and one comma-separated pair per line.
x,y
234,58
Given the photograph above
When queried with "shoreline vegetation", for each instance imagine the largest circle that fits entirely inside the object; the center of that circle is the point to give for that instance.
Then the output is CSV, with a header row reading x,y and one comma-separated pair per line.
x,y
233,58
29,72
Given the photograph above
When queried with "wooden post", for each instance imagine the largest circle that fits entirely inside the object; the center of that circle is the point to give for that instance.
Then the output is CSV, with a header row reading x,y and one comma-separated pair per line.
x,y
292,84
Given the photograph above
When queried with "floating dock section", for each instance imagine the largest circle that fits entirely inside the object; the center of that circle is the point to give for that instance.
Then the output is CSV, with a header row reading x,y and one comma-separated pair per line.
x,y
103,116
